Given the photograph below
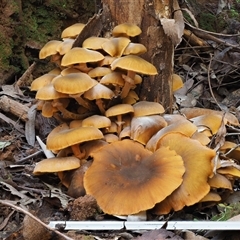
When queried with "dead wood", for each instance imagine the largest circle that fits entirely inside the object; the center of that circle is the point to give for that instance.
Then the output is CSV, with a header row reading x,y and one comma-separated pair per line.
x,y
14,107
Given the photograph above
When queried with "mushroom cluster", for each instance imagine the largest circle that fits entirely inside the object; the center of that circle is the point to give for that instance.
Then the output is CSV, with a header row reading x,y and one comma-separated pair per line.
x,y
128,154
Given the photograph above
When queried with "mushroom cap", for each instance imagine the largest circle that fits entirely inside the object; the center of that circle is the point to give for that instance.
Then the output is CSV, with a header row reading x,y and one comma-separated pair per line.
x,y
68,70
56,164
94,43
97,121
55,71
48,110
143,128
173,118
99,72
116,46
65,46
210,122
99,91
50,48
146,108
125,178
119,109
72,31
42,81
184,127
62,136
229,171
220,181
198,163
74,83
135,49
114,78
194,112
126,29
110,138
106,61
125,133
81,55
201,137
134,63
131,98
211,197
48,92
177,82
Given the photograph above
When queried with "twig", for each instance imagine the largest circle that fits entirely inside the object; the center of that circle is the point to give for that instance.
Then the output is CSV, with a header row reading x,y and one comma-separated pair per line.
x,y
29,156
23,79
6,203
209,83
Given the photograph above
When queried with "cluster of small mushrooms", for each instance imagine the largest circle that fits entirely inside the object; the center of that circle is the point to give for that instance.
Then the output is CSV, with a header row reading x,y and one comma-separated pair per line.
x,y
128,154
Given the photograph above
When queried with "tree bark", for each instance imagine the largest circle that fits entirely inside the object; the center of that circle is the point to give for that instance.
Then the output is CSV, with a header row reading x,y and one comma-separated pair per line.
x,y
145,14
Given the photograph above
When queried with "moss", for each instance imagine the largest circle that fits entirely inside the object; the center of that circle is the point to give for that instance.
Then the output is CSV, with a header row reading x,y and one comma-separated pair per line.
x,y
207,21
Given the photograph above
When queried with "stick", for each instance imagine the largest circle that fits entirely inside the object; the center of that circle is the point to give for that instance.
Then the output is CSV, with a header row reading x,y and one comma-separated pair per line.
x,y
14,107
6,203
22,81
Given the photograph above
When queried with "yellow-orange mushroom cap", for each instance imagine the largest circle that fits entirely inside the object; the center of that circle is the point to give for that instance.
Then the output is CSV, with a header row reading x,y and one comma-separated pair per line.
x,y
125,178
198,164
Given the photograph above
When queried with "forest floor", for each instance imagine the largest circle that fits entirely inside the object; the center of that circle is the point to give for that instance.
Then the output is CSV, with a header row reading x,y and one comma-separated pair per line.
x,y
208,63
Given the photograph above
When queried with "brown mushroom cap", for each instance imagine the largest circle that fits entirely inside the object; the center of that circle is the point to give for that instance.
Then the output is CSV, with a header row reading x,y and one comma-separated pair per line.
x,y
146,108
220,181
81,55
99,72
135,49
115,46
126,29
119,109
210,122
65,46
56,164
198,163
94,43
97,121
177,82
185,127
72,31
211,197
194,112
50,48
42,81
74,83
143,128
62,137
99,91
69,70
48,92
134,63
125,178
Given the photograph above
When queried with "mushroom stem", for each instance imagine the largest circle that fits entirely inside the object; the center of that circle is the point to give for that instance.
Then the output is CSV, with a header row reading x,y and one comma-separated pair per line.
x,y
82,101
119,123
77,152
129,82
82,67
70,115
99,103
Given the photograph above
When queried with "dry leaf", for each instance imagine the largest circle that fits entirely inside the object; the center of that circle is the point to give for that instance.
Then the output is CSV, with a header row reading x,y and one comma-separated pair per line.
x,y
159,234
30,126
174,28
